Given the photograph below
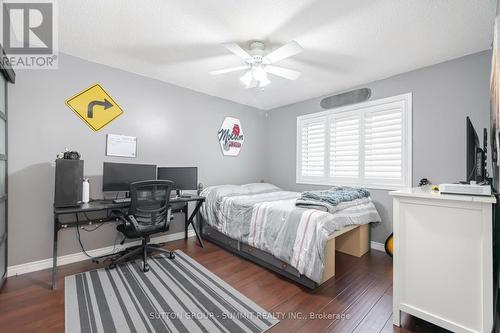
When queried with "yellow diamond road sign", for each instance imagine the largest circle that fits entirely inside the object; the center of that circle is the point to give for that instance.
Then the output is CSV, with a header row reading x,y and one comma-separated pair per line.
x,y
95,107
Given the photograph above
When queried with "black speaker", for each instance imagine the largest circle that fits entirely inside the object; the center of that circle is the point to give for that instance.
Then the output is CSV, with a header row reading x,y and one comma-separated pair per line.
x,y
69,178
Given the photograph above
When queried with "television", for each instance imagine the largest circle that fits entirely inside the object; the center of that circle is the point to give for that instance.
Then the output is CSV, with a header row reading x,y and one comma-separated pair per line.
x,y
472,146
118,176
475,155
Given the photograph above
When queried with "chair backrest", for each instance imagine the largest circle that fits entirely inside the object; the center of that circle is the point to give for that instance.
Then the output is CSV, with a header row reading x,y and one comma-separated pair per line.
x,y
150,201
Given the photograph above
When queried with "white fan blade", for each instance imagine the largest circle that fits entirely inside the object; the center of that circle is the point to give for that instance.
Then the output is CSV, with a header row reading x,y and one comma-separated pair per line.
x,y
283,52
283,72
228,70
236,49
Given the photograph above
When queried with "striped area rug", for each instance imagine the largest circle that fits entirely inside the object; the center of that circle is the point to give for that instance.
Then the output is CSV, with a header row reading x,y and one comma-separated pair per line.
x,y
176,295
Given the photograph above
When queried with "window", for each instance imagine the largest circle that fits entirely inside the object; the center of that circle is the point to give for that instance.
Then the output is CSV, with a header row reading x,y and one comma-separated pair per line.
x,y
366,144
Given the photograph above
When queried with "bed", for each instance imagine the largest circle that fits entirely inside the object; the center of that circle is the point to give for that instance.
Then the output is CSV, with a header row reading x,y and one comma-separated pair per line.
x,y
262,223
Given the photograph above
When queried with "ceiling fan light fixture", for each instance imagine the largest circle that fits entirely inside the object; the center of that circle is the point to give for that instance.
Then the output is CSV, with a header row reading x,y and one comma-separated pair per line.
x,y
255,77
260,64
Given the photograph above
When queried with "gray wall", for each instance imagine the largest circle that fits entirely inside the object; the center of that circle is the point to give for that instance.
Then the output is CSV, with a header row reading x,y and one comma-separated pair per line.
x,y
443,95
174,127
177,127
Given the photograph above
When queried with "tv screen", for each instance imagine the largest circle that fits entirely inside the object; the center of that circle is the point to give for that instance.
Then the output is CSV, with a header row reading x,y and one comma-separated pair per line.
x,y
472,144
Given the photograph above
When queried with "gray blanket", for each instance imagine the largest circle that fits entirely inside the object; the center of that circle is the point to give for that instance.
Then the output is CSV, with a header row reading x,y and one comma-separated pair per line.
x,y
336,195
332,200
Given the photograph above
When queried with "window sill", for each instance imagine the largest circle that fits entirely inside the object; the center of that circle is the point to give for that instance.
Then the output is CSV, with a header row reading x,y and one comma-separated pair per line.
x,y
368,186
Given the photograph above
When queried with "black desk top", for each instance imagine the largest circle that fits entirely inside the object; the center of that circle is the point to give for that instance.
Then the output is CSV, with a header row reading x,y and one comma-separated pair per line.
x,y
98,205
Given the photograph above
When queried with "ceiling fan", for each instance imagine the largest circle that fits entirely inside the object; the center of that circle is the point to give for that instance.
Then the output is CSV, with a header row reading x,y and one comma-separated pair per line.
x,y
258,65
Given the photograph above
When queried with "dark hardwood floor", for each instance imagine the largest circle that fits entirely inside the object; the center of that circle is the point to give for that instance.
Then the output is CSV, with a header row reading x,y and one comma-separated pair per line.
x,y
360,294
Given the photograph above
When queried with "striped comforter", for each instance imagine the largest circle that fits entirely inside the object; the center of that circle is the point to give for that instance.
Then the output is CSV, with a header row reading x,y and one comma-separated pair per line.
x,y
265,217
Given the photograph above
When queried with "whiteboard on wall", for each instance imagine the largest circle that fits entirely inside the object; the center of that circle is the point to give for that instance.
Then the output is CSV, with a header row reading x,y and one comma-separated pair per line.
x,y
121,145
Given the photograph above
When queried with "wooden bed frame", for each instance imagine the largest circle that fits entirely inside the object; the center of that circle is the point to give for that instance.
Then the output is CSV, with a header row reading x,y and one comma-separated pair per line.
x,y
353,240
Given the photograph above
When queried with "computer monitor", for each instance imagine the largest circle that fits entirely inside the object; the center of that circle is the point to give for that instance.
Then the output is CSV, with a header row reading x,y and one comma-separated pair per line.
x,y
471,146
184,178
118,176
475,155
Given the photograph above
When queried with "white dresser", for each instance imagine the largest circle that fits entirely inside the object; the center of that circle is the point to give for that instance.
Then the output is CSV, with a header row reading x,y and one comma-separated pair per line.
x,y
443,259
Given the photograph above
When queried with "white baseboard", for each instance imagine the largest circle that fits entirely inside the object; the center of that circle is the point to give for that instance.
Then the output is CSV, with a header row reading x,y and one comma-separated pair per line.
x,y
80,256
377,246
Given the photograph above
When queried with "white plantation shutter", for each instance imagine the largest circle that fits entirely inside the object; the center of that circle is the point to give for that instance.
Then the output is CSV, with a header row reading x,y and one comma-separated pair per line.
x,y
344,146
383,144
366,144
312,148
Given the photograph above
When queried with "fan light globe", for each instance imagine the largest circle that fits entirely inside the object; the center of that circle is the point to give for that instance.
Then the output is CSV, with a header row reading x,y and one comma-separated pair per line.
x,y
255,77
246,79
258,73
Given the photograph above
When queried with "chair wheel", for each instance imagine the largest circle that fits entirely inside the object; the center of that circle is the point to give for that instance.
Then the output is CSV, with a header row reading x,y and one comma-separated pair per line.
x,y
145,268
171,255
112,266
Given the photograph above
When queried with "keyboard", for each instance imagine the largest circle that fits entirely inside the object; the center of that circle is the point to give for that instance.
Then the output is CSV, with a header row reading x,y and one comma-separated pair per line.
x,y
122,200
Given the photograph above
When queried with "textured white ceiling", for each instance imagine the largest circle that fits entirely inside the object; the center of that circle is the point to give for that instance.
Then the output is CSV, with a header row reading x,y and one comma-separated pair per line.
x,y
346,42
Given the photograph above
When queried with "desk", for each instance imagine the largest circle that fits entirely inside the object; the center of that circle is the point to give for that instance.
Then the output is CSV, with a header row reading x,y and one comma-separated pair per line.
x,y
106,206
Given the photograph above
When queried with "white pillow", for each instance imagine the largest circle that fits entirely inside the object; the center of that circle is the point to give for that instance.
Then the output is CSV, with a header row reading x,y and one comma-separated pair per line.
x,y
224,190
260,187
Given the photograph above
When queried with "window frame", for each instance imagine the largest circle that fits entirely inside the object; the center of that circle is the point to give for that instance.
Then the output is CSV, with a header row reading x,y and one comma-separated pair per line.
x,y
359,109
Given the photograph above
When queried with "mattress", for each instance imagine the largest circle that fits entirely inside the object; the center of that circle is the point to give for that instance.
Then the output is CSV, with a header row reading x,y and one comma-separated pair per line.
x,y
266,217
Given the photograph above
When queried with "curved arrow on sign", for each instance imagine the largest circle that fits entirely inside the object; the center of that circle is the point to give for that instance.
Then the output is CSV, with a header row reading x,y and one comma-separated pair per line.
x,y
90,109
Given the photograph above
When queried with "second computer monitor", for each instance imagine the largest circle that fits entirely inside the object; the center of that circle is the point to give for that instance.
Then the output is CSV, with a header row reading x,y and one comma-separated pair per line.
x,y
118,176
184,178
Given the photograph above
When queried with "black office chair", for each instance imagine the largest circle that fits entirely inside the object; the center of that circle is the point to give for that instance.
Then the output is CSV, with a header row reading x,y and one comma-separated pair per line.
x,y
149,214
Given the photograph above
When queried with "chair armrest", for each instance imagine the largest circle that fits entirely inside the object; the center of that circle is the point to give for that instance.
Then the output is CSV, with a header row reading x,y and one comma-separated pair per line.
x,y
134,222
119,215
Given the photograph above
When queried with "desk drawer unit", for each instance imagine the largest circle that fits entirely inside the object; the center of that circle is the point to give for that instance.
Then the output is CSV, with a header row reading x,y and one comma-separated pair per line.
x,y
443,260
